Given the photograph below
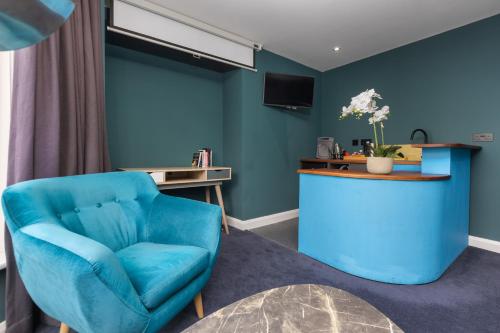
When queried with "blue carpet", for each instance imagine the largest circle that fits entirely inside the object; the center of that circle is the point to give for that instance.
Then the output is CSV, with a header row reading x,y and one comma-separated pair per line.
x,y
465,299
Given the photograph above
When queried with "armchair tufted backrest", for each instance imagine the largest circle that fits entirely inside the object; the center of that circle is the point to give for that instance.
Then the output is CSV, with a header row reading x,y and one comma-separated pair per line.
x,y
110,208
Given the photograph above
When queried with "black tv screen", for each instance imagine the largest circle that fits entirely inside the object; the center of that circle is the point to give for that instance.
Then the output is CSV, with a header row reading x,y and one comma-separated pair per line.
x,y
289,91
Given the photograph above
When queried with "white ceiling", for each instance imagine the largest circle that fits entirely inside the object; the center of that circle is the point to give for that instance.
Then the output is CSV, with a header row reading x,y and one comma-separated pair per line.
x,y
307,30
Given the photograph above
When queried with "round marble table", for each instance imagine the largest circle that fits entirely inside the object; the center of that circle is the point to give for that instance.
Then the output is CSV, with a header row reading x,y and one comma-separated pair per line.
x,y
297,308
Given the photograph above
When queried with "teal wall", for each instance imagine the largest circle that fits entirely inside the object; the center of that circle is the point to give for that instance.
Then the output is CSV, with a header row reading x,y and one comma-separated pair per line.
x,y
233,140
160,111
272,140
446,84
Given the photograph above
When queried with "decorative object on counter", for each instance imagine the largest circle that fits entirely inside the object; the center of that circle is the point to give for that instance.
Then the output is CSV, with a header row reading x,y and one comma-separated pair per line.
x,y
337,152
367,147
324,147
379,165
381,158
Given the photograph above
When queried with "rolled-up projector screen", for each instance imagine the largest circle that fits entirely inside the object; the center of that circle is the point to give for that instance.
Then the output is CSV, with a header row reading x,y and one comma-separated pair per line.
x,y
151,25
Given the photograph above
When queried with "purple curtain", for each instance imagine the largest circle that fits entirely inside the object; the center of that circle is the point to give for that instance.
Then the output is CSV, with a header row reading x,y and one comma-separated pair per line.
x,y
57,124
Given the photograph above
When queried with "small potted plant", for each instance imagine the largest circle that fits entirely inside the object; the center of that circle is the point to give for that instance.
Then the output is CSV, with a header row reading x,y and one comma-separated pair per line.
x,y
381,159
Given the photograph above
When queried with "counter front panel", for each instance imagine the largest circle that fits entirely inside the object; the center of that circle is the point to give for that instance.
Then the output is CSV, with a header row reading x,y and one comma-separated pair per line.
x,y
404,228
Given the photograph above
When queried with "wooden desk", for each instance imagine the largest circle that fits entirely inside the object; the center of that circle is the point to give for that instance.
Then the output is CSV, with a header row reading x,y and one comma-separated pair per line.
x,y
184,177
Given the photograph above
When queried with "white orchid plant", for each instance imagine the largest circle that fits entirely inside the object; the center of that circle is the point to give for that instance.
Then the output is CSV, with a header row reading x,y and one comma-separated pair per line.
x,y
366,104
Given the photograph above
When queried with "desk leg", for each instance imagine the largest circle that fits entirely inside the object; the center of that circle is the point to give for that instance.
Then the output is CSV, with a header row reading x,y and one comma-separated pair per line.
x,y
221,204
207,194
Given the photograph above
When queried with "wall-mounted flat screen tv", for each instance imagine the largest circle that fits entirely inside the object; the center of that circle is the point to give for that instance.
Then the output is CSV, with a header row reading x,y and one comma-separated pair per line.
x,y
289,91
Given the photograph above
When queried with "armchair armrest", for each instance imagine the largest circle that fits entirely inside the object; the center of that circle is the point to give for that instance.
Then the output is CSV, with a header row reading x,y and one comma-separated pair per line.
x,y
76,279
183,221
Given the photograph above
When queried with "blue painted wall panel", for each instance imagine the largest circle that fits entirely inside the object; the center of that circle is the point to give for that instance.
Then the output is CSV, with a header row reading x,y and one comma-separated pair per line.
x,y
436,161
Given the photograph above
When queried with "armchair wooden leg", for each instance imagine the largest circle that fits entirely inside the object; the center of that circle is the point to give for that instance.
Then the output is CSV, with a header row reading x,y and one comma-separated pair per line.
x,y
198,304
64,328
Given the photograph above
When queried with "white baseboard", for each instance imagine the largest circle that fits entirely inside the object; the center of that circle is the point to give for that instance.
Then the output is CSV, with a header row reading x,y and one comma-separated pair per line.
x,y
262,220
484,243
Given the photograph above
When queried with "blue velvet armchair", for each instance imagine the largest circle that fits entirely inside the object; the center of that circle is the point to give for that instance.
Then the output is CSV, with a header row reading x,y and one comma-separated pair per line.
x,y
108,252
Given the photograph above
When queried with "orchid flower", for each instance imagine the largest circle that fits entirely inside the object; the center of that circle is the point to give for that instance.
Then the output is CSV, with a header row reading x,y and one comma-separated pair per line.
x,y
366,103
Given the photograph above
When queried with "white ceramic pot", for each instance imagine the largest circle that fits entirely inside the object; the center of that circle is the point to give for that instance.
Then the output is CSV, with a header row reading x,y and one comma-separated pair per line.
x,y
379,165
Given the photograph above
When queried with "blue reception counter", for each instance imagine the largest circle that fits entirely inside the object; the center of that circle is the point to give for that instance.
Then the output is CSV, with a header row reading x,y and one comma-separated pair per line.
x,y
405,228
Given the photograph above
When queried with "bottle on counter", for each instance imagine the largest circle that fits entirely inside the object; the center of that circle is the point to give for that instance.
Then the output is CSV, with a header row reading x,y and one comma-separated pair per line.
x,y
372,149
337,152
367,148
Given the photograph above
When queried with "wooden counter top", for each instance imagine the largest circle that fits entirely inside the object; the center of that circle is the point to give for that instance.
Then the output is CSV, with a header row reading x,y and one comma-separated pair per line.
x,y
351,160
446,145
395,175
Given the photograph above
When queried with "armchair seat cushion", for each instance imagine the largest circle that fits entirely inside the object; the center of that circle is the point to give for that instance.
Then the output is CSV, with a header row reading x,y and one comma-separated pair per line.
x,y
157,271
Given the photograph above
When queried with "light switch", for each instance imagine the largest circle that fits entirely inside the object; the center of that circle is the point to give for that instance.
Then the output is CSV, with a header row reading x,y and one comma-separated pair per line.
x,y
482,137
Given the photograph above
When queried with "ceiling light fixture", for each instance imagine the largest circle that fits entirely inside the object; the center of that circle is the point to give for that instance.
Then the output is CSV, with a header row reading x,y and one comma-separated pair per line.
x,y
336,49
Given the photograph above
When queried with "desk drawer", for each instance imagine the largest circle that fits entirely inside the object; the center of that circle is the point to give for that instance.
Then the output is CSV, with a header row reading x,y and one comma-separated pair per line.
x,y
218,174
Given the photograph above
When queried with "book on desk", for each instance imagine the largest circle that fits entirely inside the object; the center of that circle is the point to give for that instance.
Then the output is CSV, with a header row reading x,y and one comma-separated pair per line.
x,y
203,158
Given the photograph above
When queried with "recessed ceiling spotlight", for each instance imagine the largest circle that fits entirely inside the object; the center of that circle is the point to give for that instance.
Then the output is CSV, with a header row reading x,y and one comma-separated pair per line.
x,y
336,49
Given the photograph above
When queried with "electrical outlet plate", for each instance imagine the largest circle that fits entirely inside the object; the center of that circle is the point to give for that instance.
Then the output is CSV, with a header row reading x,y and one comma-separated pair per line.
x,y
482,137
